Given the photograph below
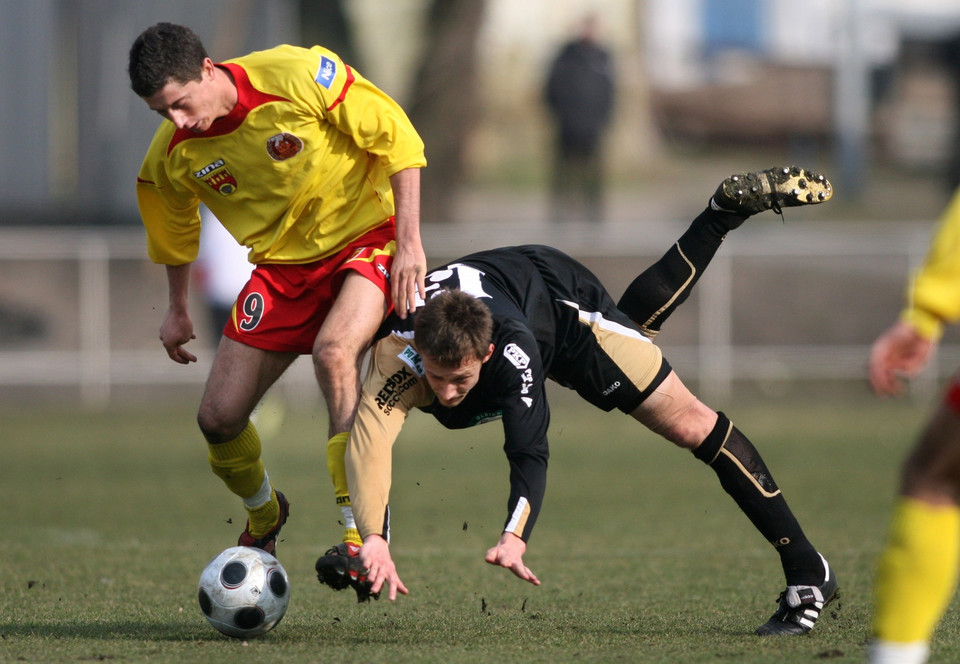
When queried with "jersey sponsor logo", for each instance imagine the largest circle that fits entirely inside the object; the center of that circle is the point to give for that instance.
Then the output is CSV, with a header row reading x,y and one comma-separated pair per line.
x,y
217,177
610,390
394,387
517,357
412,359
484,417
209,168
283,146
326,73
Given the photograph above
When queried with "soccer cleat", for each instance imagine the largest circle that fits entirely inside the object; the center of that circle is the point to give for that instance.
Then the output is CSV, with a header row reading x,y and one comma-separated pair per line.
x,y
800,607
340,567
773,189
267,542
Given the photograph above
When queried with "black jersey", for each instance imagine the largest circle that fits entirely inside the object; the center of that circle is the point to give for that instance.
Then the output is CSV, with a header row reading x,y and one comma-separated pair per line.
x,y
550,319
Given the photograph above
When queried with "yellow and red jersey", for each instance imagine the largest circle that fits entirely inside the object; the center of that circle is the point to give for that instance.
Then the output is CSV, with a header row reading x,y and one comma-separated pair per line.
x,y
299,168
933,295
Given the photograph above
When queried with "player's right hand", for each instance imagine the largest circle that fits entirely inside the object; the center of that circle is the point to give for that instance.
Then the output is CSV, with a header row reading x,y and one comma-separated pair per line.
x,y
897,354
509,553
375,556
176,330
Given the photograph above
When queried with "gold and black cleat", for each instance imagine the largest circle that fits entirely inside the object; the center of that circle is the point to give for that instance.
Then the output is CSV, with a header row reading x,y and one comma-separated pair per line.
x,y
773,189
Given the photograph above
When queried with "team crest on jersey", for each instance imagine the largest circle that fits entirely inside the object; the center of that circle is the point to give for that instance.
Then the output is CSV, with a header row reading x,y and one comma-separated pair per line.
x,y
326,73
283,146
517,357
218,177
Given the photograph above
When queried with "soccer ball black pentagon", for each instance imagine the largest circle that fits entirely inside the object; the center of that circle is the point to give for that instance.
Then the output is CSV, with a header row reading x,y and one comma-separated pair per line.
x,y
244,591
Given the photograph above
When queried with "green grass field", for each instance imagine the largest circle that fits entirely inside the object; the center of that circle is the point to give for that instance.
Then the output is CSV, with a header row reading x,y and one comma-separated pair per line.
x,y
108,519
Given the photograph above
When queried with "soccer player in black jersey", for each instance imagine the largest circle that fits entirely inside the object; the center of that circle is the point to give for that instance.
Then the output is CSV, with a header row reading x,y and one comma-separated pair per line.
x,y
498,323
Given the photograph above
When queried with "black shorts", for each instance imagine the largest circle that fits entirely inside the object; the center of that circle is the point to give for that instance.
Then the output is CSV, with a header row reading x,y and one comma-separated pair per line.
x,y
600,352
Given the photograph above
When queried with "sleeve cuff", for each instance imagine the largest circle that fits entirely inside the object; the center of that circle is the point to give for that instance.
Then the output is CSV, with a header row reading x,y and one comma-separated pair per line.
x,y
926,324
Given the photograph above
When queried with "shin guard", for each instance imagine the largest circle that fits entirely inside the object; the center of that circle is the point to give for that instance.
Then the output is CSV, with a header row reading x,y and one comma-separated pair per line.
x,y
237,462
917,573
336,466
661,288
745,477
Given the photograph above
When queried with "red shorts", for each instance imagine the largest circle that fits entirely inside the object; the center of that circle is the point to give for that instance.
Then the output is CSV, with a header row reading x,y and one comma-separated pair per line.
x,y
952,398
283,306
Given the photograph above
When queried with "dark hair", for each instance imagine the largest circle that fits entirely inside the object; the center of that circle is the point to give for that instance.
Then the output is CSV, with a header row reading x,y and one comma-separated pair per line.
x,y
452,327
162,53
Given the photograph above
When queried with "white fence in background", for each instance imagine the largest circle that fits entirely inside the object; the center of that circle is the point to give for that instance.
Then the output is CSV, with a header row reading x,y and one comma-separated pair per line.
x,y
97,365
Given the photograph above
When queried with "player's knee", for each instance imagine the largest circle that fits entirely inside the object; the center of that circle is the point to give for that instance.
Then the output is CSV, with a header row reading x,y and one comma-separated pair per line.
x,y
333,357
686,424
218,425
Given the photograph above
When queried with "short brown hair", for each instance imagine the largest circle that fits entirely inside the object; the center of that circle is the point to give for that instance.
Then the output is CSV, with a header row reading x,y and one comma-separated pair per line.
x,y
452,327
162,53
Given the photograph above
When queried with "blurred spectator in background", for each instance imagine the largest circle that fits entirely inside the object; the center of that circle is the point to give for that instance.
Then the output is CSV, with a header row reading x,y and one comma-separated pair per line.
x,y
579,94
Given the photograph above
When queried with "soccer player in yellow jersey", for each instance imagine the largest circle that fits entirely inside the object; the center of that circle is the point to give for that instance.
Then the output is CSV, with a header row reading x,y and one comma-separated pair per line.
x,y
316,172
918,567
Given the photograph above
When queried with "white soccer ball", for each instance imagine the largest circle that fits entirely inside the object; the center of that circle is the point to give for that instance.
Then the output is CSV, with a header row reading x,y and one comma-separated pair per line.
x,y
244,591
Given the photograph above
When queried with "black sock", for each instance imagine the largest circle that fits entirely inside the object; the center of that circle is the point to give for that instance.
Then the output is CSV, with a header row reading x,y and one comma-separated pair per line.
x,y
661,288
744,476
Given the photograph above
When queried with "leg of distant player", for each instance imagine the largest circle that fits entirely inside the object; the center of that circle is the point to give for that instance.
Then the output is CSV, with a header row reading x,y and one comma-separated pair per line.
x,y
918,568
239,378
563,184
343,339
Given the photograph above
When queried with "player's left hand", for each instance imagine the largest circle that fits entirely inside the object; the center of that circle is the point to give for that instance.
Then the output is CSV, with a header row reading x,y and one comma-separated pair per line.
x,y
407,278
509,553
375,556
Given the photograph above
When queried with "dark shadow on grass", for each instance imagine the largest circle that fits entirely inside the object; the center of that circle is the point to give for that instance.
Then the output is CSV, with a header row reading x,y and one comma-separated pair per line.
x,y
112,631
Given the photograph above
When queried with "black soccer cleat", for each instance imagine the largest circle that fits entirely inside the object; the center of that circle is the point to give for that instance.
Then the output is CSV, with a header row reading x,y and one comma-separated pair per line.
x,y
800,607
340,567
267,542
773,189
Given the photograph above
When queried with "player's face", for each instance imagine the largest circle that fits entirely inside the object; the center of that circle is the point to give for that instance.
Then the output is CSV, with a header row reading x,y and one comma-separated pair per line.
x,y
193,105
451,385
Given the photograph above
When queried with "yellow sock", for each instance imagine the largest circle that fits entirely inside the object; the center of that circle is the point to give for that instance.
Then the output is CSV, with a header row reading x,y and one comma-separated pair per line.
x,y
917,573
237,462
336,466
352,536
262,519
